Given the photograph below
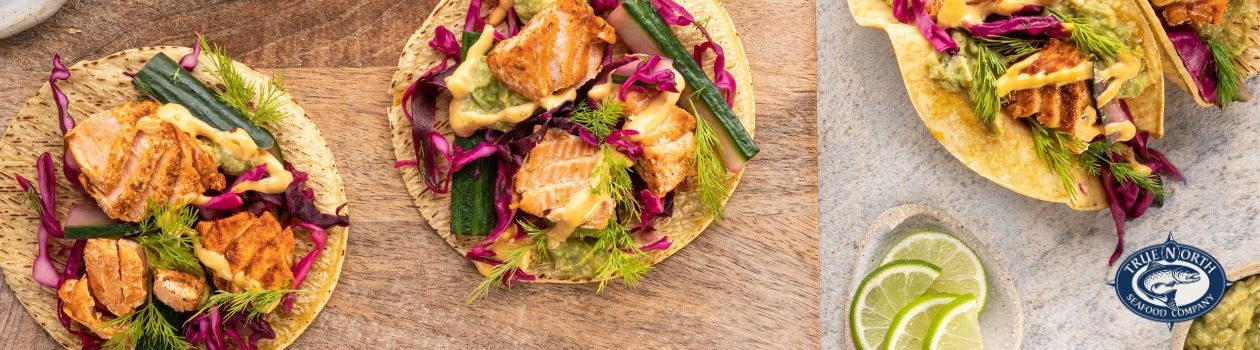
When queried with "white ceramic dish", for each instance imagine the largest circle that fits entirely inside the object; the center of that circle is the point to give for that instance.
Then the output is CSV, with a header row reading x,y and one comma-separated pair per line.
x,y
1001,322
1183,329
19,15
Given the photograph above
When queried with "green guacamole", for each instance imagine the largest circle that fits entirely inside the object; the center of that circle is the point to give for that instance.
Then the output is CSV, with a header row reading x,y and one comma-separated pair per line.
x,y
1100,15
955,72
528,8
1233,323
489,95
1235,36
230,165
567,258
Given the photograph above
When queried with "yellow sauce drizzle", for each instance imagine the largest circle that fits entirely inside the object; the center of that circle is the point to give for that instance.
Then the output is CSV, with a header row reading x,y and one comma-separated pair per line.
x,y
236,143
1014,80
656,111
957,13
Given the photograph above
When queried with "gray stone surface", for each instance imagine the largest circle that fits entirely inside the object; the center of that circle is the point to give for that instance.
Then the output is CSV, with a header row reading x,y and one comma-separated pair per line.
x,y
874,154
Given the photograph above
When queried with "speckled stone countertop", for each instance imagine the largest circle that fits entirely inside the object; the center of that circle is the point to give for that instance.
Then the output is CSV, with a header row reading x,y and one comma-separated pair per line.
x,y
874,154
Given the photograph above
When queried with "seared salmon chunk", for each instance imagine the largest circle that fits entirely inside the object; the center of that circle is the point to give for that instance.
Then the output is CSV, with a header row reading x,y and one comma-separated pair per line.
x,y
246,252
117,270
1180,12
78,303
124,166
561,47
668,146
1062,107
559,166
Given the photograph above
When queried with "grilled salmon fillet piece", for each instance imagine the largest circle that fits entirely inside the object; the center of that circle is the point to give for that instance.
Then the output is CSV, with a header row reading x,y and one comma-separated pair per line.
x,y
668,148
181,291
1179,12
560,165
247,252
1062,107
81,307
125,166
559,48
117,270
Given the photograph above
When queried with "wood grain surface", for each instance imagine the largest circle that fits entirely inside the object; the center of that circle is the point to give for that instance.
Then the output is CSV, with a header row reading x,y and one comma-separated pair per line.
x,y
750,281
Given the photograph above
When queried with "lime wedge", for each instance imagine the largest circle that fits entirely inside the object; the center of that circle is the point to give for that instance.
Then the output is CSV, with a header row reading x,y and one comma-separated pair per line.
x,y
884,292
956,326
910,327
961,271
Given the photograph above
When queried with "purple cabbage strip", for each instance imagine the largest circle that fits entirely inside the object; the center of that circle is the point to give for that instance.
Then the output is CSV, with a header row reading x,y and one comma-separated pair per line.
x,y
603,6
473,21
301,204
902,11
69,166
189,61
619,140
932,32
653,72
1158,163
1118,214
1026,25
1196,57
304,266
676,15
652,207
223,201
42,269
74,267
421,97
660,244
444,42
513,23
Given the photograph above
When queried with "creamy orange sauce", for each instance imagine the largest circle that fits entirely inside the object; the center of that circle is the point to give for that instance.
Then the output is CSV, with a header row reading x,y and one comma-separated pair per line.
x,y
236,143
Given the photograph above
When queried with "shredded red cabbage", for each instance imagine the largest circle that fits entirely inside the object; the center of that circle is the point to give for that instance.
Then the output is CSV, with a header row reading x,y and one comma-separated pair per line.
x,y
653,72
301,203
513,23
1196,57
304,267
660,244
473,21
1127,200
602,6
444,41
932,32
211,330
421,97
189,61
1026,25
42,270
902,11
675,14
68,164
73,268
619,140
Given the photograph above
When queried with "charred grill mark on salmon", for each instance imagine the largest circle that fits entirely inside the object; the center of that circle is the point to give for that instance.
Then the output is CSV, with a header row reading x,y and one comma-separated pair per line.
x,y
247,252
1180,12
124,166
1062,107
559,166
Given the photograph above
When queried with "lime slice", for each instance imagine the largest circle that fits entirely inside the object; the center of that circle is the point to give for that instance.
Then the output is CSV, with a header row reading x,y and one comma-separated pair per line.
x,y
884,292
961,271
956,326
910,327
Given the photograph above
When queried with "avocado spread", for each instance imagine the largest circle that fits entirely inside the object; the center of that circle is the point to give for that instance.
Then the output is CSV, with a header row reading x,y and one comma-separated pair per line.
x,y
528,8
489,95
568,256
230,165
1233,324
1233,35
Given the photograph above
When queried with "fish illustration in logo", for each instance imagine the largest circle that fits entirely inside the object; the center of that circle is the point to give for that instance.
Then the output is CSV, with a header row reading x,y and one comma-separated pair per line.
x,y
1160,282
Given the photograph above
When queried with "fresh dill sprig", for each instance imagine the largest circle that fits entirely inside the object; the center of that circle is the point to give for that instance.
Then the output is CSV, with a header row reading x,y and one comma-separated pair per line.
x,y
1055,148
253,303
512,262
1227,75
711,173
989,66
613,174
1014,49
167,237
240,94
623,255
539,237
146,323
33,200
599,122
1100,152
1088,37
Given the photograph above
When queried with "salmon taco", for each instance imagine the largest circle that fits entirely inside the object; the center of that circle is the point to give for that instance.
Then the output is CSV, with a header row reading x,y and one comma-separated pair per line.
x,y
1053,99
1211,47
571,141
179,199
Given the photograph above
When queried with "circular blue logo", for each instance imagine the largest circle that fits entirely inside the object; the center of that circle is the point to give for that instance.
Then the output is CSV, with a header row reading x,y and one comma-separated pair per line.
x,y
1170,282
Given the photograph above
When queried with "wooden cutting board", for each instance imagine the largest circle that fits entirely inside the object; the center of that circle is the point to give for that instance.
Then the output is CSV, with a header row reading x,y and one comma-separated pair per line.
x,y
750,281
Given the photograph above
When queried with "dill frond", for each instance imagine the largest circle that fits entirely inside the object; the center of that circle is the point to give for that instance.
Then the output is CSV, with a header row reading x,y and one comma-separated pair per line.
x,y
1227,75
989,66
239,94
1014,49
145,324
167,237
1091,39
613,176
1099,153
538,237
602,121
253,304
711,173
1055,148
509,266
623,255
